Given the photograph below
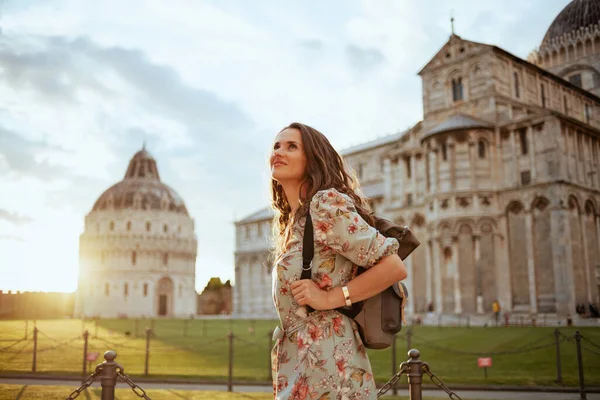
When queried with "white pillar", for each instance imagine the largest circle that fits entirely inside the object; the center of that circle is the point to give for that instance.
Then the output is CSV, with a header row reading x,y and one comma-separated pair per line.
x,y
515,160
530,262
531,153
428,273
402,176
586,263
457,292
435,246
502,270
435,171
477,240
387,182
409,285
472,161
413,176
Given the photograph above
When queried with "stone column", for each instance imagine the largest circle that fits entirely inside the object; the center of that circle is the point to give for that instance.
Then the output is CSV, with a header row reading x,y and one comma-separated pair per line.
x,y
387,182
435,170
457,292
563,153
564,285
531,153
496,151
515,160
477,255
530,262
409,285
428,273
472,159
452,149
502,270
435,247
413,176
586,262
402,179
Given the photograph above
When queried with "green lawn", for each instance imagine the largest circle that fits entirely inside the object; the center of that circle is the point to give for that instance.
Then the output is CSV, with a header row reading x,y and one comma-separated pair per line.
x,y
200,351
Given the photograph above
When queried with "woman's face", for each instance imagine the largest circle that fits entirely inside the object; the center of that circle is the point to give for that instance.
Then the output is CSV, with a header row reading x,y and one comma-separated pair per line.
x,y
288,159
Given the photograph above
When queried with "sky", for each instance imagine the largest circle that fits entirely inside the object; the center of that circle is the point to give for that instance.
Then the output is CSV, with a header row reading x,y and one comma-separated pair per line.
x,y
206,85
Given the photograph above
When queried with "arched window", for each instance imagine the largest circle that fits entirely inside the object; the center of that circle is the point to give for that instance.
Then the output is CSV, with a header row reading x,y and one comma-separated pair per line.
x,y
543,92
457,89
481,148
165,228
128,226
516,80
166,259
126,289
444,152
112,226
148,226
133,257
145,290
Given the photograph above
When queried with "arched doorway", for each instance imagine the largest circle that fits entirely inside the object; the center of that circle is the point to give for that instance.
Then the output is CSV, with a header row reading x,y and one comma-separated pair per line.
x,y
164,297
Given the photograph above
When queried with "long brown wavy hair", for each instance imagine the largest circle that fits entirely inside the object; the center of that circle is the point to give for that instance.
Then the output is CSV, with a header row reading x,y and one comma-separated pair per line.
x,y
325,169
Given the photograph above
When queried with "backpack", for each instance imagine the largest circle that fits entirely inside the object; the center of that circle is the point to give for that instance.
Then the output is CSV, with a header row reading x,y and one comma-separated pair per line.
x,y
379,318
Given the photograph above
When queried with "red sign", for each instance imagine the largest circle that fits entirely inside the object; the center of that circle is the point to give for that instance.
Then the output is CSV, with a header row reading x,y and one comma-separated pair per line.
x,y
92,356
483,362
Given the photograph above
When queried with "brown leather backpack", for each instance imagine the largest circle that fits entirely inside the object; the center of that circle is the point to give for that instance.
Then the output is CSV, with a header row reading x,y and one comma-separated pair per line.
x,y
379,318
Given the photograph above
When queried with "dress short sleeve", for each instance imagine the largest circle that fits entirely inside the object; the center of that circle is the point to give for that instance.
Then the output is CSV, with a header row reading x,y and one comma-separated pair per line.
x,y
340,227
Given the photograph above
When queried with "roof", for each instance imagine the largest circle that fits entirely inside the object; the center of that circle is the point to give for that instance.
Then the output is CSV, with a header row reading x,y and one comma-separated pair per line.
x,y
263,214
457,122
578,14
381,141
141,188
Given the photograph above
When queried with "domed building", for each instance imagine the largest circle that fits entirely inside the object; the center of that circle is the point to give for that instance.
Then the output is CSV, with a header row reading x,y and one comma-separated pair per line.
x,y
500,181
571,47
137,253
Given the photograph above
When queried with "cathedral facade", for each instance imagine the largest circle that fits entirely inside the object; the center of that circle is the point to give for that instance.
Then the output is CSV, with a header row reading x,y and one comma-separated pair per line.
x,y
137,254
500,180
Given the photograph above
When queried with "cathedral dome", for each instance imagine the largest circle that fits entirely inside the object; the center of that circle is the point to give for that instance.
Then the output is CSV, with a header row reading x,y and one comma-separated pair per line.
x,y
141,188
577,15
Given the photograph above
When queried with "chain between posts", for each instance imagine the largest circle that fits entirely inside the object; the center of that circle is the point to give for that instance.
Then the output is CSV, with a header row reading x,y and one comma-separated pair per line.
x,y
435,379
134,387
87,383
393,380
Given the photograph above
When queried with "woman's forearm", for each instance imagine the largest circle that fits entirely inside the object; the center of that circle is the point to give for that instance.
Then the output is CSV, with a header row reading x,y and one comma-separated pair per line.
x,y
374,280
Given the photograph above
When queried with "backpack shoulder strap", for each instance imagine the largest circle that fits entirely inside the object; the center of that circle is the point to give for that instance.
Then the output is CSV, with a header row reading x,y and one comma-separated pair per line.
x,y
308,252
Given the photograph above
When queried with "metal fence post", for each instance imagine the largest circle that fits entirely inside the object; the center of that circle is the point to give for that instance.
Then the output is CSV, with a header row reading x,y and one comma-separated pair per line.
x,y
85,349
394,388
558,364
108,375
230,372
582,392
137,327
148,330
35,337
415,375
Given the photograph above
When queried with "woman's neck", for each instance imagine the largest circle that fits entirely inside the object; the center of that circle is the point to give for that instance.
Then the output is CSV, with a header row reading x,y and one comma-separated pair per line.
x,y
292,194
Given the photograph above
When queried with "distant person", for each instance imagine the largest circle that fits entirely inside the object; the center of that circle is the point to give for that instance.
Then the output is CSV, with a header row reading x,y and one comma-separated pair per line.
x,y
496,310
319,354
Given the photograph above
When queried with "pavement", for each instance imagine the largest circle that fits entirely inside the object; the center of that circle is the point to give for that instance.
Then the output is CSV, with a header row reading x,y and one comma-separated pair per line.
x,y
498,394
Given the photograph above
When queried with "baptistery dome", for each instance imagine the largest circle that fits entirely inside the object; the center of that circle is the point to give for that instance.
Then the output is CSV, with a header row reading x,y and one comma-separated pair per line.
x,y
141,188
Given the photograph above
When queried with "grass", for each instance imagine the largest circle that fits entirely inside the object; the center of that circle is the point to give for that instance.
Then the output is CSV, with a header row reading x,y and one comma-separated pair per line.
x,y
198,350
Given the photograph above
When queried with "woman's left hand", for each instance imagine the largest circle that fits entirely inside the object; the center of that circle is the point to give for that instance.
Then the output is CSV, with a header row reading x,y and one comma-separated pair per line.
x,y
306,292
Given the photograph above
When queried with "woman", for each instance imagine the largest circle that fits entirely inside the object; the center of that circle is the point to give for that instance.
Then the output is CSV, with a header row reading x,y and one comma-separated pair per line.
x,y
320,355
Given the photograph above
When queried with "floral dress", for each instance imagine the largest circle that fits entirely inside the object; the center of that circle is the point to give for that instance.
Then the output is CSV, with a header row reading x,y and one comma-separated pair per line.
x,y
320,355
